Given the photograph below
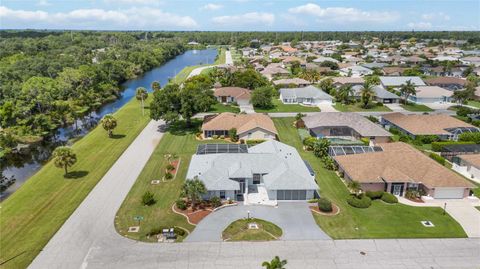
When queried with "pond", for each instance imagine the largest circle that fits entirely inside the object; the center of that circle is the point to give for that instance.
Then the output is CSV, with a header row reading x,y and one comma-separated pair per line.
x,y
23,166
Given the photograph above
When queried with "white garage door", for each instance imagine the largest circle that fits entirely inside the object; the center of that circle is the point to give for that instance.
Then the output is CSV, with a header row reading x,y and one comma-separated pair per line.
x,y
448,193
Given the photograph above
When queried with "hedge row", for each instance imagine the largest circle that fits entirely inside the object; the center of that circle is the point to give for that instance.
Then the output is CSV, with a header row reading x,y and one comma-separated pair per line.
x,y
439,159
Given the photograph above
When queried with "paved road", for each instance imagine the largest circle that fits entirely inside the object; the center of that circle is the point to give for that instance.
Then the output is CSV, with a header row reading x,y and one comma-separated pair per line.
x,y
294,218
198,70
228,58
92,221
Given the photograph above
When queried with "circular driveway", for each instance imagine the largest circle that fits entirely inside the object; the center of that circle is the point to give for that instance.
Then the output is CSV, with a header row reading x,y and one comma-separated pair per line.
x,y
294,218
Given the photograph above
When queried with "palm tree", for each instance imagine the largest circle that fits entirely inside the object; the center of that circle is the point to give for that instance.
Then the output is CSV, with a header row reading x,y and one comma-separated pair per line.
x,y
276,263
156,86
193,189
109,123
326,85
355,187
367,94
64,157
141,94
408,89
345,93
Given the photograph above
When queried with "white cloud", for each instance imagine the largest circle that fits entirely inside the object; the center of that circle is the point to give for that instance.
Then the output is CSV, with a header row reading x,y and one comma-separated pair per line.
x,y
135,2
132,18
43,3
211,6
420,25
344,14
246,19
435,16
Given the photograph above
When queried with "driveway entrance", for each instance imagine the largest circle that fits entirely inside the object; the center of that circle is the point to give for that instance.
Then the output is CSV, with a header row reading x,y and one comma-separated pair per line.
x,y
294,218
326,107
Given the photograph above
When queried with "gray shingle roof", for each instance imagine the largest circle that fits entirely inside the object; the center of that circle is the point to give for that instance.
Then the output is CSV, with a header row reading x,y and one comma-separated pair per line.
x,y
283,167
306,92
355,121
397,81
380,92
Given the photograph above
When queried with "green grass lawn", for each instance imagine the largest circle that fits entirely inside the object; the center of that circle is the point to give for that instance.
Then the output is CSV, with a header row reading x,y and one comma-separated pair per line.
x,y
474,103
177,141
380,220
278,106
32,215
357,107
238,231
416,107
219,108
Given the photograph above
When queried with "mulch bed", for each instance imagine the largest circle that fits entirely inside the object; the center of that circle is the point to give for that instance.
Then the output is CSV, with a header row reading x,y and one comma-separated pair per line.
x,y
335,210
175,164
416,200
194,216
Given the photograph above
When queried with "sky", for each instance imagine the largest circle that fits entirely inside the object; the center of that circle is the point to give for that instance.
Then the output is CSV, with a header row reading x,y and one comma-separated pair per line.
x,y
242,15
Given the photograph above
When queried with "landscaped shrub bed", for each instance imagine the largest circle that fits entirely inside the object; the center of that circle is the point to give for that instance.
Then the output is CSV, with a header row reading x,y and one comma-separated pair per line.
x,y
389,198
362,201
325,205
374,195
439,159
253,142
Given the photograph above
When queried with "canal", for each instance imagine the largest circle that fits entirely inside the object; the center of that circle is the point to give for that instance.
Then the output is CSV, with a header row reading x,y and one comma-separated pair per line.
x,y
23,166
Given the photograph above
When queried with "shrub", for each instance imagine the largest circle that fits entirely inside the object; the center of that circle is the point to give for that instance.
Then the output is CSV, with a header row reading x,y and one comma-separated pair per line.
x,y
394,131
170,167
168,175
216,202
417,143
473,137
320,148
463,111
428,139
404,138
438,146
365,140
374,195
328,163
437,158
359,202
314,200
379,104
309,142
253,142
325,205
372,119
148,198
180,203
215,136
232,133
179,231
389,198
222,137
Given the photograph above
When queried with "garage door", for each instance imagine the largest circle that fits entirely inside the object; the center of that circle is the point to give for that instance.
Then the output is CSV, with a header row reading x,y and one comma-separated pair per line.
x,y
448,193
291,194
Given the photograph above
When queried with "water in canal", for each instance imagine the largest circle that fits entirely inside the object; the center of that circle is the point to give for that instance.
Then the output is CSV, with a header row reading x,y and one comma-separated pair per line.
x,y
23,166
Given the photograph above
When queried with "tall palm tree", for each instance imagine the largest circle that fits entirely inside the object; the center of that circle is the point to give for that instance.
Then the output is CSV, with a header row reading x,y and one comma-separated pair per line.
x,y
367,93
156,86
276,263
345,94
109,122
64,157
141,94
193,189
326,85
408,89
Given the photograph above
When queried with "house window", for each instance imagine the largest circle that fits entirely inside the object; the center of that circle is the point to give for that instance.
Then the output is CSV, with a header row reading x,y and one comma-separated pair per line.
x,y
222,194
256,178
249,135
265,135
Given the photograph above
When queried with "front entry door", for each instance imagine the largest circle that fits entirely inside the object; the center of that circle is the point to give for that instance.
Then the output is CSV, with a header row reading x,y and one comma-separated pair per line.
x,y
397,190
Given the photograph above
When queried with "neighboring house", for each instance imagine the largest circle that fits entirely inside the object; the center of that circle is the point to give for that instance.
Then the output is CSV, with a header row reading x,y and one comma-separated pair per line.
x,y
322,59
341,81
449,83
269,72
399,167
431,94
393,71
249,126
273,169
355,71
374,65
397,82
381,95
232,95
299,82
444,126
309,95
468,165
345,126
474,60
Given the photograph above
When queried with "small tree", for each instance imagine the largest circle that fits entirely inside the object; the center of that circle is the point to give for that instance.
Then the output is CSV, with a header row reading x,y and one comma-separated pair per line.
x,y
262,97
275,263
355,187
64,157
232,133
109,122
326,85
148,199
193,189
367,94
408,89
320,149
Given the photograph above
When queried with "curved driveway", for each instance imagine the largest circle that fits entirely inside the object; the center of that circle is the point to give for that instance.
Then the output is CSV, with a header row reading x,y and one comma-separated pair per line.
x,y
294,218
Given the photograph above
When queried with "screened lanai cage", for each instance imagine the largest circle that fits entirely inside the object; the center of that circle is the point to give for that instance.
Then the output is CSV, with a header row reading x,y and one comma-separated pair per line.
x,y
221,148
457,131
349,150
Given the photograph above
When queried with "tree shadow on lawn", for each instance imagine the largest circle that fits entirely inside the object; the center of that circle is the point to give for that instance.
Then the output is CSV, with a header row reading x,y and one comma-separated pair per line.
x,y
76,174
180,128
117,136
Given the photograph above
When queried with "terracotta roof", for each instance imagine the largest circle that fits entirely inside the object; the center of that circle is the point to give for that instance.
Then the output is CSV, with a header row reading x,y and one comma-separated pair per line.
x,y
287,81
445,80
237,92
434,124
394,69
432,92
399,162
288,49
348,80
242,122
472,159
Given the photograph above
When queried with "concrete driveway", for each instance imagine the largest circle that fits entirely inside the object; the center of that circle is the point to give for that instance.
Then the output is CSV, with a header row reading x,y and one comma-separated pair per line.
x,y
247,108
395,107
326,108
294,218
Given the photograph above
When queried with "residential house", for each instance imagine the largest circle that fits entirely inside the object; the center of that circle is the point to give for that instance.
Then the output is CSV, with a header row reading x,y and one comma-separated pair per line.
x,y
270,72
265,173
298,82
381,95
309,95
322,59
431,94
468,165
249,126
341,81
413,125
232,95
355,71
346,126
397,82
449,83
399,167
393,71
